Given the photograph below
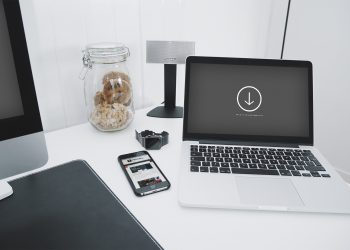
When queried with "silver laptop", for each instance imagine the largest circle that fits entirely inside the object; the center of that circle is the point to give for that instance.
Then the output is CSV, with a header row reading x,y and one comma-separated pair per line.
x,y
248,139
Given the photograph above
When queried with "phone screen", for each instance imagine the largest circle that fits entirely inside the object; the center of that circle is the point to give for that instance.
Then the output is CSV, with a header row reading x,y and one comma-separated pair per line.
x,y
144,174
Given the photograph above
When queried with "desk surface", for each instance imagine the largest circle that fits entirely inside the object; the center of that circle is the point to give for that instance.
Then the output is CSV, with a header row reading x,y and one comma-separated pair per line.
x,y
176,227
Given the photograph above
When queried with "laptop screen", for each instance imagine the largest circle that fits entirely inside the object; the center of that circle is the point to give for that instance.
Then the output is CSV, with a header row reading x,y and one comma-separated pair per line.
x,y
248,99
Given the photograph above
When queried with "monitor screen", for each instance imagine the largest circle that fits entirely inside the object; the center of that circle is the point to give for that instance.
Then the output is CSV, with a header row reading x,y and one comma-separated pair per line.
x,y
252,100
10,98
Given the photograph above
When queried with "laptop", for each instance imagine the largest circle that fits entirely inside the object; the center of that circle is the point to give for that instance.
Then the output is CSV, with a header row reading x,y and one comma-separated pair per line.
x,y
248,139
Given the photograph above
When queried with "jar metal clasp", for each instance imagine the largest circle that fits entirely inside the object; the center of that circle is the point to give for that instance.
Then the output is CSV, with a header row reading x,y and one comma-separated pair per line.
x,y
87,65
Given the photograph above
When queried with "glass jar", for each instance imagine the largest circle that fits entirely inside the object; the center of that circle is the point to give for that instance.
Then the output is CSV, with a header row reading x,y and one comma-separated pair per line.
x,y
108,89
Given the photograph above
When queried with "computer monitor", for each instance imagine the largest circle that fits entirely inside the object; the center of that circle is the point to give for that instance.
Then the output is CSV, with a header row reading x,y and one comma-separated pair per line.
x,y
22,141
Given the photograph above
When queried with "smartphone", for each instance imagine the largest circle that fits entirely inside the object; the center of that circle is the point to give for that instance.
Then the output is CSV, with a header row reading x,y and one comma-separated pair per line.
x,y
143,174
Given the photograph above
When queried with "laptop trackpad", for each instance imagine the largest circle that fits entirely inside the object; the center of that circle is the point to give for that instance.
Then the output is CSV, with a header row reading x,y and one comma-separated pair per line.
x,y
268,192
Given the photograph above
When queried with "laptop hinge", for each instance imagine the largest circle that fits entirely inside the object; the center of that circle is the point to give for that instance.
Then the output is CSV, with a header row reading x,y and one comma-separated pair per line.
x,y
250,143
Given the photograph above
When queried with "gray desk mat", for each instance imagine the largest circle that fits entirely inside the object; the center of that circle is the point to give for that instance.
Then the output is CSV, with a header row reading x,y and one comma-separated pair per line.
x,y
68,207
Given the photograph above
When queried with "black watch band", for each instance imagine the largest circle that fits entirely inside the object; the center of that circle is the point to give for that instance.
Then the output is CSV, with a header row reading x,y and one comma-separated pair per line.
x,y
151,140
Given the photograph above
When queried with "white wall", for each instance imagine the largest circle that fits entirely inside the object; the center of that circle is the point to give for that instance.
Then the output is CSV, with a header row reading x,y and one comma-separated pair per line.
x,y
57,30
319,31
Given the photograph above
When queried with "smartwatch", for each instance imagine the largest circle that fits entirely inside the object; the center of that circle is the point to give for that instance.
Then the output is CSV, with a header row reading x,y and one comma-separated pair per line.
x,y
152,140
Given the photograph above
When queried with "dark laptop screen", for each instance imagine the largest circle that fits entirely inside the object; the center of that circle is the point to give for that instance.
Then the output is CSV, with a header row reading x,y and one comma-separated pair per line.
x,y
252,100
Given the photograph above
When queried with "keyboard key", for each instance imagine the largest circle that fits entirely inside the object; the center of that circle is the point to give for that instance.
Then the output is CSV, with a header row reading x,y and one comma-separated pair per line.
x,y
252,165
273,162
265,161
306,174
270,157
315,174
255,161
234,155
225,164
246,161
262,166
205,163
245,152
210,159
281,167
196,154
261,157
219,159
213,170
299,167
292,163
243,165
282,162
202,150
325,175
254,171
225,170
225,155
290,167
207,154
237,160
285,173
195,163
204,169
234,165
314,168
216,155
194,169
228,160
295,173
251,156
197,158
215,164
242,156
286,158
277,157
270,166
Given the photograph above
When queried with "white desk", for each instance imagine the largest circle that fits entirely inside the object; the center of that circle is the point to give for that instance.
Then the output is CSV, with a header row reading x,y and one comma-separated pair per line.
x,y
179,228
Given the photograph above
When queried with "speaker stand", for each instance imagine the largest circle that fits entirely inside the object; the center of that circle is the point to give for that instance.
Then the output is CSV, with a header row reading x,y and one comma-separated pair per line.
x,y
169,110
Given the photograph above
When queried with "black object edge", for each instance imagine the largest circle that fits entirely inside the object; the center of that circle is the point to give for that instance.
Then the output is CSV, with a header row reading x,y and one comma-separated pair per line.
x,y
30,122
248,138
285,29
108,189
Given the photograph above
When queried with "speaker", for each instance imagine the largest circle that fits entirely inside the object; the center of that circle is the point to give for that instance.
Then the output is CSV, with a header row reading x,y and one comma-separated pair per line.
x,y
169,53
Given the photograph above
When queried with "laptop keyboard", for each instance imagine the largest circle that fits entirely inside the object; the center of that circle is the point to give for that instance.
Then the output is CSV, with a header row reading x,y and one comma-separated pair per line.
x,y
256,161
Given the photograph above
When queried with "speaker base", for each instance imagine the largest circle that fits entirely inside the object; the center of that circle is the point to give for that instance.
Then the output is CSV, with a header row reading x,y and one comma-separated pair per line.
x,y
162,112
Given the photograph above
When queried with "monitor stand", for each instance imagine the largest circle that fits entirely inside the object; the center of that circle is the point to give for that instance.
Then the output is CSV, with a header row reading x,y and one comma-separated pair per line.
x,y
5,190
169,110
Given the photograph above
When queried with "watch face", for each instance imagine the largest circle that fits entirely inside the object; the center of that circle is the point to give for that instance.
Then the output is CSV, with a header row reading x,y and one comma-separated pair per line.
x,y
153,143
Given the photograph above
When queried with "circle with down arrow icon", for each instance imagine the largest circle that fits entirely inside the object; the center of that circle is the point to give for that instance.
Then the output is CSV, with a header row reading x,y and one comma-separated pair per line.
x,y
249,98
